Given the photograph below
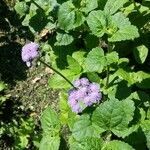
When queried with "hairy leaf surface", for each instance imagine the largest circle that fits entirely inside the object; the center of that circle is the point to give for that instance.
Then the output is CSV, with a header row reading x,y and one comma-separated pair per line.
x,y
117,145
95,61
113,5
69,17
114,115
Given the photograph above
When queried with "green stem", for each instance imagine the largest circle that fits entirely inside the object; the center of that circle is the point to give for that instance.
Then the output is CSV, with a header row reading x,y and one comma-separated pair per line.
x,y
56,72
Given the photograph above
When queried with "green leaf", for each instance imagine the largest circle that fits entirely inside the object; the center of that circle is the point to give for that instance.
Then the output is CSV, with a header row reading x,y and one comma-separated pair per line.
x,y
91,143
2,86
128,108
97,21
51,25
118,88
26,20
35,15
50,122
88,5
63,39
118,27
140,53
113,5
122,62
21,142
39,17
21,8
33,10
95,61
142,79
93,77
64,108
69,17
46,5
137,140
126,132
101,4
46,47
58,82
117,145
125,31
85,128
112,58
66,16
66,114
90,41
22,132
114,115
146,129
140,97
120,20
125,75
79,56
50,143
148,113
142,114
73,65
79,19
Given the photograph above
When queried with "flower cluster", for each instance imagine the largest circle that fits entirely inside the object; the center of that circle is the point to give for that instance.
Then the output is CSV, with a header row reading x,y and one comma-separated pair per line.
x,y
29,53
83,95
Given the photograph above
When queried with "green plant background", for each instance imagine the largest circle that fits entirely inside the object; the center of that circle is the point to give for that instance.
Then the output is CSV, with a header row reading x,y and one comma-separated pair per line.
x,y
107,42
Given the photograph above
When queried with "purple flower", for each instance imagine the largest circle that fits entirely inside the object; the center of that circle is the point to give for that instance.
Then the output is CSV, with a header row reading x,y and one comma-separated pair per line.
x,y
76,108
29,53
85,94
94,87
84,82
81,82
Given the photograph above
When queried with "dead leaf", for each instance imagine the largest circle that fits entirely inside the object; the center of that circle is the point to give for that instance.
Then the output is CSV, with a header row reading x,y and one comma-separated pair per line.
x,y
49,71
36,80
44,32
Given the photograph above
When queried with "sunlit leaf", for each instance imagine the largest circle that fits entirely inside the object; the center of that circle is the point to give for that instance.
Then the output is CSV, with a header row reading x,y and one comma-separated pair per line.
x,y
95,61
117,145
140,53
63,39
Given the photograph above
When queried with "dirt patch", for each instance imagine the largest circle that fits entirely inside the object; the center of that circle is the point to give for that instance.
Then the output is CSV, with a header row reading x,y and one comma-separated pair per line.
x,y
34,92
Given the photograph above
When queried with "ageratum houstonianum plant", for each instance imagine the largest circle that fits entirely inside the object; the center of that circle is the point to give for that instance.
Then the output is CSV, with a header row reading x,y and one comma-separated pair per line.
x,y
82,95
96,48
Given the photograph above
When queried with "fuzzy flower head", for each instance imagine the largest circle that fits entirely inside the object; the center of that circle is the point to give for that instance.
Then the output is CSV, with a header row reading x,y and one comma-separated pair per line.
x,y
85,94
29,53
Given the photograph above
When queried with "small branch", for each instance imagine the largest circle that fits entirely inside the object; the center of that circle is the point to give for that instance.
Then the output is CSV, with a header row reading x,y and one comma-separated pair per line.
x,y
56,72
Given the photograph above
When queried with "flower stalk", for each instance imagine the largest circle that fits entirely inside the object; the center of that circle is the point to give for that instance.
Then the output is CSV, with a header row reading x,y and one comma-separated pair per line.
x,y
56,71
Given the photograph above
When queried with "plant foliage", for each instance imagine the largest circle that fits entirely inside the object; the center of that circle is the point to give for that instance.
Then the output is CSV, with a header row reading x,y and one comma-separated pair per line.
x,y
107,42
